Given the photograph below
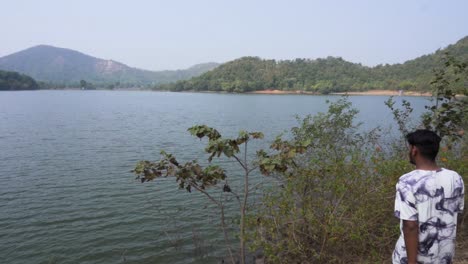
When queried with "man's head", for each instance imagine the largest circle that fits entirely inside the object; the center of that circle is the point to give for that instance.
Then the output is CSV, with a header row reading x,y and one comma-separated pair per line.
x,y
423,144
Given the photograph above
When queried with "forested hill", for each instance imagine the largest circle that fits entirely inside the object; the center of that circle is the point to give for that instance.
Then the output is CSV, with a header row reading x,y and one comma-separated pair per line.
x,y
320,75
15,81
68,67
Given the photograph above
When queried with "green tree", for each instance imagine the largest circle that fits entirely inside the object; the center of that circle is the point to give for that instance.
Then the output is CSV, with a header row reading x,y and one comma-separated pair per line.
x,y
16,81
83,84
448,114
193,176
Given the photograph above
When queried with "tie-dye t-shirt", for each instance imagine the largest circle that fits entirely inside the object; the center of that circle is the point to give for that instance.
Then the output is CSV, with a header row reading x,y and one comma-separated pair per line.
x,y
433,198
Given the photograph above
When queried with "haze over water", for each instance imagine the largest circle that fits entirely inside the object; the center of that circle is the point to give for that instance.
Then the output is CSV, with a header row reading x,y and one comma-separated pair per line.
x,y
66,193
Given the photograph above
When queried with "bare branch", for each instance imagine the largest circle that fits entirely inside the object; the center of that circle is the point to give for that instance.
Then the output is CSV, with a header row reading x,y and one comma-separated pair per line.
x,y
240,162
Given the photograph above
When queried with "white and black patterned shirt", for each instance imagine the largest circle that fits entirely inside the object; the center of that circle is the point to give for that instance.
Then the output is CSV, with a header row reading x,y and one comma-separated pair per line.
x,y
433,198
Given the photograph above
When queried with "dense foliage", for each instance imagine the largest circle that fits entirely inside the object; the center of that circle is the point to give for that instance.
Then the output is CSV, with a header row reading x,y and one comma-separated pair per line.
x,y
336,199
319,76
448,114
334,202
16,81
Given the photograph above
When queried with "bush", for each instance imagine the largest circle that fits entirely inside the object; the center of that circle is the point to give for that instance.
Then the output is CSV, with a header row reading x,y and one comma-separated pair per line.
x,y
335,203
335,198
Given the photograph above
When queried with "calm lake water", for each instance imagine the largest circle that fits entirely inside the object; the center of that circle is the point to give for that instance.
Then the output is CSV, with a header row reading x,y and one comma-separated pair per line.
x,y
66,193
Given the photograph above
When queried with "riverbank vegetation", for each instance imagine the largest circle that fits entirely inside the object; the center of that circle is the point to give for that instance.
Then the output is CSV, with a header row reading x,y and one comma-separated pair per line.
x,y
330,198
321,76
335,201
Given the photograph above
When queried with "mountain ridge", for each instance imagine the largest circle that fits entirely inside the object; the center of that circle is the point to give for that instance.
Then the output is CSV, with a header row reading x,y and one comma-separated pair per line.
x,y
332,74
61,65
322,75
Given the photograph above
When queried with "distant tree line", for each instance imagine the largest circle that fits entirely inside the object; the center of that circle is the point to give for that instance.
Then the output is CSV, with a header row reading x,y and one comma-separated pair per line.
x,y
322,76
89,85
10,81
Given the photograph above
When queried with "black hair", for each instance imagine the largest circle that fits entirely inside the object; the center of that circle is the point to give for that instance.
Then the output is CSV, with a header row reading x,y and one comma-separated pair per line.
x,y
426,141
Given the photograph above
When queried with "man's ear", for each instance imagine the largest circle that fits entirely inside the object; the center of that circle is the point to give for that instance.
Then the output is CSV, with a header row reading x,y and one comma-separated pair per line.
x,y
414,150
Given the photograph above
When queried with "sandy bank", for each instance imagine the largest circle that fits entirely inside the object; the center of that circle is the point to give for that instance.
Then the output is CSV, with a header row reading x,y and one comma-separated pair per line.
x,y
387,92
371,92
280,92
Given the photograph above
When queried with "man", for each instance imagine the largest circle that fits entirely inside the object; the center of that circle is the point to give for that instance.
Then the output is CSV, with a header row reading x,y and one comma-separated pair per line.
x,y
427,202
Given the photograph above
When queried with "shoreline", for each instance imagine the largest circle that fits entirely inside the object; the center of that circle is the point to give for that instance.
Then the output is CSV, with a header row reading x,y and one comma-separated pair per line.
x,y
266,92
388,93
370,92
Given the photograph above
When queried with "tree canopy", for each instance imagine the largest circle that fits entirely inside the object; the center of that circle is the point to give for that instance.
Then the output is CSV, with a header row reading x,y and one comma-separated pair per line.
x,y
332,74
16,81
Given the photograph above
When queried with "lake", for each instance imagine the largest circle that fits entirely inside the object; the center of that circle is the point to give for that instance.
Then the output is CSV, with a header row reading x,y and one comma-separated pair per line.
x,y
66,193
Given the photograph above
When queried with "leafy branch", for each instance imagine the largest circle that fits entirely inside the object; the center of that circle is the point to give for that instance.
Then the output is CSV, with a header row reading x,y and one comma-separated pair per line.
x,y
192,176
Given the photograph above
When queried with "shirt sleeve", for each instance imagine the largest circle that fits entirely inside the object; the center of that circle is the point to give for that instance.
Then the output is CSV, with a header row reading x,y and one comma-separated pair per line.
x,y
405,202
462,205
459,194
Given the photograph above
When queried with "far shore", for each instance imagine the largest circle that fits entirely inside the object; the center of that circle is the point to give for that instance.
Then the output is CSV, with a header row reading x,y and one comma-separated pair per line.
x,y
273,92
370,92
388,92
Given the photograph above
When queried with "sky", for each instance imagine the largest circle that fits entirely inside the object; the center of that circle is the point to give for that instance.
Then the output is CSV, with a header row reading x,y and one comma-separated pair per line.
x,y
176,34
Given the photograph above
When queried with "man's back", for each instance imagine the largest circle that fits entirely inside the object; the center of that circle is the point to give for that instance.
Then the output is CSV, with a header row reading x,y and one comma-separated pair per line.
x,y
433,199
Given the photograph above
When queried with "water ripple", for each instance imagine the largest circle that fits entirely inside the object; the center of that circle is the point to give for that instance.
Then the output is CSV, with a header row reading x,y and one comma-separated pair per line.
x,y
66,193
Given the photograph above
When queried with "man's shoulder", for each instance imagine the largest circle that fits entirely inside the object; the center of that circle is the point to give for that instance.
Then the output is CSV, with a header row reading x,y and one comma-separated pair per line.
x,y
410,177
455,178
449,172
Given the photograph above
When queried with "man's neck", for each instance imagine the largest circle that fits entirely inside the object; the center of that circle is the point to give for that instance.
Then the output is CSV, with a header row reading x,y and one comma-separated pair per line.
x,y
427,165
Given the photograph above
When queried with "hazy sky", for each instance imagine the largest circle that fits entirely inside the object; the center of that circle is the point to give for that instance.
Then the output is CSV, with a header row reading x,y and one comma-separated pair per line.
x,y
175,34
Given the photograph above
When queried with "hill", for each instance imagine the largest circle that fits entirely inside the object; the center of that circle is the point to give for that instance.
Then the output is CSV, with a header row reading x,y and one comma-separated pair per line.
x,y
65,66
320,75
11,81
